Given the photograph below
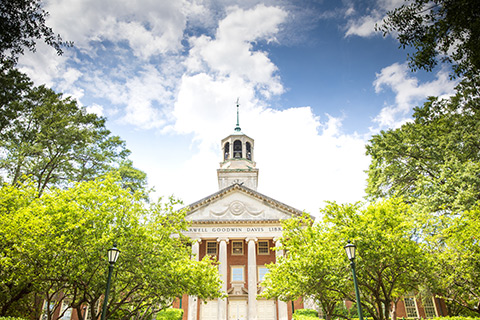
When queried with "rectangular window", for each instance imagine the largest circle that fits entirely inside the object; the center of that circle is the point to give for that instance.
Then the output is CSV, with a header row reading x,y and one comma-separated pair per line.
x,y
237,274
411,307
65,311
47,308
89,314
212,248
263,247
262,271
237,248
429,307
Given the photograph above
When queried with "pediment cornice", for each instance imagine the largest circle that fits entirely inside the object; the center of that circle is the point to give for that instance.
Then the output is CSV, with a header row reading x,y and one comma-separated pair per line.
x,y
238,208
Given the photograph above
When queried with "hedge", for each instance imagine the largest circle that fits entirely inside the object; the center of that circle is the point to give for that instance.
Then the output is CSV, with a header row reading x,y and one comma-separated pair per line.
x,y
11,318
169,314
305,314
453,318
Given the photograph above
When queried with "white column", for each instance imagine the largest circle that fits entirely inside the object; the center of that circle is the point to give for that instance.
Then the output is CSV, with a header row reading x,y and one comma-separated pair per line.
x,y
282,306
192,300
252,279
222,270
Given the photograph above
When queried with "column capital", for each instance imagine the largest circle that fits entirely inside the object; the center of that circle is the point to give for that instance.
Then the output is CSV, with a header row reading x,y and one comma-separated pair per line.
x,y
251,239
223,239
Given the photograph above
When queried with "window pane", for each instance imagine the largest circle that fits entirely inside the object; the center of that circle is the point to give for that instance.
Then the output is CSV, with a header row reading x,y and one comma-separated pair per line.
x,y
263,247
237,274
429,308
410,307
211,247
262,271
237,247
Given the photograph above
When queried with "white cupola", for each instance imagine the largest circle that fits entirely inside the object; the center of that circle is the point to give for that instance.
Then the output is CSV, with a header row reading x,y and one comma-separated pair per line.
x,y
237,164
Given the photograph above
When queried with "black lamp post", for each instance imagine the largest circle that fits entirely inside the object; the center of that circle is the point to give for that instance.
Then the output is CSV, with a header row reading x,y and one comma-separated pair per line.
x,y
112,258
350,250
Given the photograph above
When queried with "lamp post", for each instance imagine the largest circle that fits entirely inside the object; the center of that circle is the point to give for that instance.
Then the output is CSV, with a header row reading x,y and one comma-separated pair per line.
x,y
112,255
350,250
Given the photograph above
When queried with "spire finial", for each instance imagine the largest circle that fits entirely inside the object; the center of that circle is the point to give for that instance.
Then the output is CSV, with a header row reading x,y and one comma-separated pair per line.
x,y
237,128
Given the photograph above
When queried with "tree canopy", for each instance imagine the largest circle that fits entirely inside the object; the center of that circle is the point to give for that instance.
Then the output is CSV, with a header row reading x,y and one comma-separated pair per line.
x,y
22,23
55,247
433,161
314,266
53,139
438,30
390,263
456,253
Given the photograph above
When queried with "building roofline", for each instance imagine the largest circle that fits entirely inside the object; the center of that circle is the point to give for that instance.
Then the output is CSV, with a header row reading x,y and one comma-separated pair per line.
x,y
240,187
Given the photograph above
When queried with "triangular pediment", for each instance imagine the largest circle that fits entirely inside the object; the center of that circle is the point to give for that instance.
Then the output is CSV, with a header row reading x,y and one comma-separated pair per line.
x,y
238,203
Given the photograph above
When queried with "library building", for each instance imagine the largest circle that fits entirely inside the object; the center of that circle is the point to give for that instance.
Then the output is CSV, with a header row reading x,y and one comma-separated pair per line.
x,y
239,226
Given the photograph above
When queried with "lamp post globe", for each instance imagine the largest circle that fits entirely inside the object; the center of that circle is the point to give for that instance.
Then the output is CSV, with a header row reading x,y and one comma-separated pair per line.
x,y
112,255
350,251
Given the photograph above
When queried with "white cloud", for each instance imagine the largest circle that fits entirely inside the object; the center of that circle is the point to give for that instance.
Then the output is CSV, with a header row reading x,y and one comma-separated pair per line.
x,y
150,27
363,24
231,54
408,92
303,161
96,109
43,66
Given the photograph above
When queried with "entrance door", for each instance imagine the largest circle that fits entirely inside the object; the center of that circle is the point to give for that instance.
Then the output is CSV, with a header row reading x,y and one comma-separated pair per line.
x,y
209,310
237,309
266,310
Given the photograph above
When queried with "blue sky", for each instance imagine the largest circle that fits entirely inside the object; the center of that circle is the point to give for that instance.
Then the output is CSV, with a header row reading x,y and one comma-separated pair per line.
x,y
314,81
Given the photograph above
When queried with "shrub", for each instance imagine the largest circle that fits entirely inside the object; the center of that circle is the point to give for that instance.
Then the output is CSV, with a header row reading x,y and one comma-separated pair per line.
x,y
305,314
457,318
11,318
169,314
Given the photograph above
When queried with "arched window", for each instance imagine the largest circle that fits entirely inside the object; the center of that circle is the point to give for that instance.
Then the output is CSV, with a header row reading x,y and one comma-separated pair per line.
x,y
248,148
226,151
237,149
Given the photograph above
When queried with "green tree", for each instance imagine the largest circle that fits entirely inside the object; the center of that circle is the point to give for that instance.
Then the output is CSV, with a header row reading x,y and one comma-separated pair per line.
x,y
16,277
445,30
313,266
456,255
57,246
434,160
22,24
54,140
389,261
